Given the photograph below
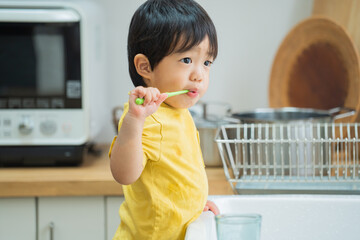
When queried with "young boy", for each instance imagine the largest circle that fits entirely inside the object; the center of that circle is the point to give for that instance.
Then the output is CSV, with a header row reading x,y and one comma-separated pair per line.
x,y
156,155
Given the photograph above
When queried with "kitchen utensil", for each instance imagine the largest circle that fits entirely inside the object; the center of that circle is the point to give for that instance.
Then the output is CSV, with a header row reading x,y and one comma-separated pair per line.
x,y
207,125
116,114
292,115
345,13
140,101
316,66
321,162
293,124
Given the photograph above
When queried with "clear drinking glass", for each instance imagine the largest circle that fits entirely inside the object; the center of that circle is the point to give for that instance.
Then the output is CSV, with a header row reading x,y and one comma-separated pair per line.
x,y
238,226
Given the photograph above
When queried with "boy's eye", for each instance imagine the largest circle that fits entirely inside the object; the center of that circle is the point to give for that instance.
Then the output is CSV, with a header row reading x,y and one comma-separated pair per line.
x,y
207,63
186,60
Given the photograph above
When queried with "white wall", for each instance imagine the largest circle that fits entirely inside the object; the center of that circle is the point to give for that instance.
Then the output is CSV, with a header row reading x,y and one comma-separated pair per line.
x,y
249,34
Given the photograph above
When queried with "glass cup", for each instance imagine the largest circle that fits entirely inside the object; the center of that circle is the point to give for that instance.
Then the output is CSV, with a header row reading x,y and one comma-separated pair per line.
x,y
238,226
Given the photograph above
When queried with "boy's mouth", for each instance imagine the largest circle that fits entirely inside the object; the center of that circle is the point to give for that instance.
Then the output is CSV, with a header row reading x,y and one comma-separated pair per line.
x,y
193,93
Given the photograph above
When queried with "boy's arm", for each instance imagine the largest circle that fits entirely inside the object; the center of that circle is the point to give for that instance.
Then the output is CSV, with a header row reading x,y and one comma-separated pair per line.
x,y
127,155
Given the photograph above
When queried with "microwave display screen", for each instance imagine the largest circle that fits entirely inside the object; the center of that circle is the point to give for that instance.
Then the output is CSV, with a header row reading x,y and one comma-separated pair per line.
x,y
40,65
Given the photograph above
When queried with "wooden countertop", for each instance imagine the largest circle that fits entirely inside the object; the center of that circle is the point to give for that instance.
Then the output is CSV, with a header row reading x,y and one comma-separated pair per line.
x,y
91,178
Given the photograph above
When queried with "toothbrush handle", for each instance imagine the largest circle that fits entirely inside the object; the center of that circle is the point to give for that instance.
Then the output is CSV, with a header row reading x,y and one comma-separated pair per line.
x,y
140,101
171,94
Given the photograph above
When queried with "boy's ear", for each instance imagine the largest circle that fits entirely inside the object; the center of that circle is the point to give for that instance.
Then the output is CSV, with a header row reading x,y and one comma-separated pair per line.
x,y
142,66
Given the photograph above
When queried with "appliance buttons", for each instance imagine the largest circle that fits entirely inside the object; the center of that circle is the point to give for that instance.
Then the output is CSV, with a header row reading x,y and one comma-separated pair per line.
x,y
7,122
73,89
48,127
42,103
26,126
57,103
7,133
14,103
66,127
3,103
28,103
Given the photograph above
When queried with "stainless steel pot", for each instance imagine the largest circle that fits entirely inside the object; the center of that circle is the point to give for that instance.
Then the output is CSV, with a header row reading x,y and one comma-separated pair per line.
x,y
116,114
207,124
293,115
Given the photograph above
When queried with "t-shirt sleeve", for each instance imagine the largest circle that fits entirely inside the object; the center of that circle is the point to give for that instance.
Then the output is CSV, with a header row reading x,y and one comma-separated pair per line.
x,y
151,138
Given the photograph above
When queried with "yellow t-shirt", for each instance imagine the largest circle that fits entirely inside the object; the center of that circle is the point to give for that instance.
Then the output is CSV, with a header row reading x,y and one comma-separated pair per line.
x,y
172,189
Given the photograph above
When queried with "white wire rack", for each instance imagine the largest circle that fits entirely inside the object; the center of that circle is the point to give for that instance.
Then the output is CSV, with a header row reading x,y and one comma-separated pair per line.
x,y
283,158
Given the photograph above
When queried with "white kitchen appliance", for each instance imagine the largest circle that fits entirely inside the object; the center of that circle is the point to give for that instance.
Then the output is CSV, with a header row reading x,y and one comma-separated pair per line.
x,y
50,60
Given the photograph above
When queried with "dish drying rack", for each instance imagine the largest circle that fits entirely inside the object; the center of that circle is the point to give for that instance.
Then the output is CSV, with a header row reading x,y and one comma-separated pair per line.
x,y
320,158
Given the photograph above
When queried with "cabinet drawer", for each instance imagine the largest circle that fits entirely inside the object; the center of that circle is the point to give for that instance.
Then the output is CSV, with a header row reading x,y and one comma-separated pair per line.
x,y
18,218
112,215
71,218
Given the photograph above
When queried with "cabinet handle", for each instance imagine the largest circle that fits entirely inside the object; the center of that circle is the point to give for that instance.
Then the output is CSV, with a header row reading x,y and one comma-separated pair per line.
x,y
51,227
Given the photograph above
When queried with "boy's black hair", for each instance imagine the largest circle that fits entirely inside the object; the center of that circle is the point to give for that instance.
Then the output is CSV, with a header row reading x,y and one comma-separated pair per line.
x,y
159,26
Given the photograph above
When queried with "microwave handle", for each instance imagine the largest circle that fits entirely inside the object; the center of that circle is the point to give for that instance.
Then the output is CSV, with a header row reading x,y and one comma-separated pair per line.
x,y
38,15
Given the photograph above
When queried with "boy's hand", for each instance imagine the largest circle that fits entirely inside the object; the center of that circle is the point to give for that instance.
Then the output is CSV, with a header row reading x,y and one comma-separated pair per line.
x,y
152,100
212,207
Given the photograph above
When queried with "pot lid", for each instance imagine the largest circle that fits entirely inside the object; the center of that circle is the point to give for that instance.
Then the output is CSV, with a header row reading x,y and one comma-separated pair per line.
x,y
213,122
316,66
282,114
212,114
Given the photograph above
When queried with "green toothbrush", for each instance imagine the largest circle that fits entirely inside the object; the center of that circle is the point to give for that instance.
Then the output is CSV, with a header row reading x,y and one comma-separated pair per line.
x,y
140,101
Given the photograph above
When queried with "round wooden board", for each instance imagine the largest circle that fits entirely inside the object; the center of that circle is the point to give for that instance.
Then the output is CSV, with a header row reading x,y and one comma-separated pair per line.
x,y
316,66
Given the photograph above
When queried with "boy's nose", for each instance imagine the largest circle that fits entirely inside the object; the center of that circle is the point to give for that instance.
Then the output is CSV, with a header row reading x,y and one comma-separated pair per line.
x,y
197,74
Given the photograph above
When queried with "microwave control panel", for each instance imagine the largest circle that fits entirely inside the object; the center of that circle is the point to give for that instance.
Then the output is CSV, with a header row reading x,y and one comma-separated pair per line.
x,y
42,127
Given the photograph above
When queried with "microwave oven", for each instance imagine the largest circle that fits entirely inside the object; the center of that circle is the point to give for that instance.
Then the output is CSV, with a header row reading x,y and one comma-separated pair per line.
x,y
47,69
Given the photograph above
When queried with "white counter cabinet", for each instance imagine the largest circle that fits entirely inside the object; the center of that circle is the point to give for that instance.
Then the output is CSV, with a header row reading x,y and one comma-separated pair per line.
x,y
59,218
65,218
112,215
18,218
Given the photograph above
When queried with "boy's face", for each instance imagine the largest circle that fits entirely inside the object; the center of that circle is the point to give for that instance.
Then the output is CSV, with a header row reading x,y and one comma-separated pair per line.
x,y
180,71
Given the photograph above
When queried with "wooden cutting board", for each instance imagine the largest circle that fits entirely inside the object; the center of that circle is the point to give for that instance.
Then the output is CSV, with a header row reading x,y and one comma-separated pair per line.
x,y
316,66
344,12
